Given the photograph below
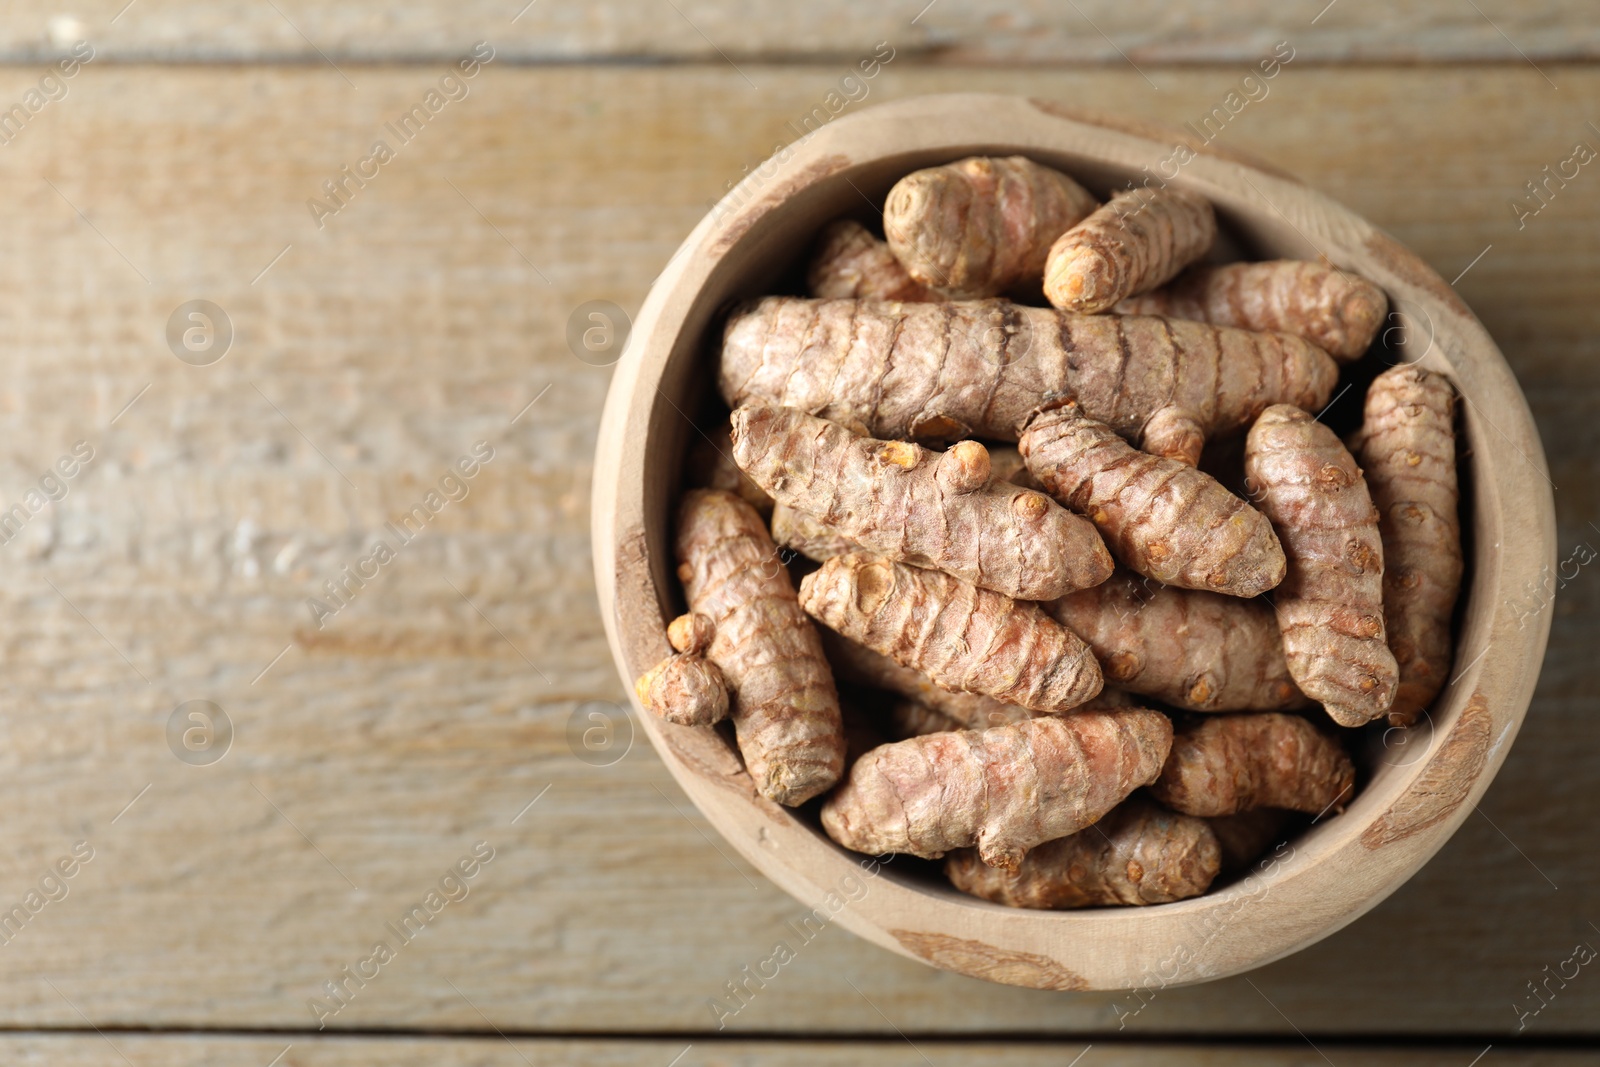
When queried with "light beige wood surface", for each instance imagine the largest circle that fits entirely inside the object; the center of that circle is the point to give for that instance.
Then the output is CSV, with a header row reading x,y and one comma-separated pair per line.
x,y
122,1050
413,726
954,31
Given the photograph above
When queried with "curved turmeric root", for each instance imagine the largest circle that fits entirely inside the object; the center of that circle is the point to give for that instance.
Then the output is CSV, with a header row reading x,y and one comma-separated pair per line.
x,y
1231,763
931,509
850,262
1162,519
941,372
962,637
1139,853
1003,790
1408,452
1330,606
686,688
1186,648
859,665
785,709
1135,242
979,226
1333,309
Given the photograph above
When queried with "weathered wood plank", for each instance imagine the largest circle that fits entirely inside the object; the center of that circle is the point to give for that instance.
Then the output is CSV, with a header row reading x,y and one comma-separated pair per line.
x,y
370,354
302,1051
958,31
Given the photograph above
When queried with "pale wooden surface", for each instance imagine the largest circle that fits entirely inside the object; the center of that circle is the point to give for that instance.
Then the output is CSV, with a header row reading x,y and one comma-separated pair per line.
x,y
493,1051
954,31
413,726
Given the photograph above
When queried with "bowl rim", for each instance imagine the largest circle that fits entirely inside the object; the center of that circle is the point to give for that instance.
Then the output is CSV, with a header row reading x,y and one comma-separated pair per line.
x,y
1333,872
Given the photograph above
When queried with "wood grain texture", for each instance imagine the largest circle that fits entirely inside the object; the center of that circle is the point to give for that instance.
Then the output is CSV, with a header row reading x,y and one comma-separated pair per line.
x,y
131,1050
412,725
953,31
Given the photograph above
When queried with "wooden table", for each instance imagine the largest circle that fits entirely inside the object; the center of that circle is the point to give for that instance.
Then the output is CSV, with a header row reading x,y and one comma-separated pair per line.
x,y
440,706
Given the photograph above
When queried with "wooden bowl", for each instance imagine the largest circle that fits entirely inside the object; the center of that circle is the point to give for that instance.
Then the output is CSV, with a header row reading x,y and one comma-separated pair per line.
x,y
1419,784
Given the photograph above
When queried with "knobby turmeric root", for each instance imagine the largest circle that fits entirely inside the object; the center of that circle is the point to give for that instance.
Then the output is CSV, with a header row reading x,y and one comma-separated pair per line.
x,y
1003,790
941,372
912,718
859,665
1139,853
785,709
1190,649
1246,835
907,718
1231,763
1135,242
1408,452
979,226
711,466
850,262
1161,518
686,688
1330,605
961,636
811,538
930,509
1333,309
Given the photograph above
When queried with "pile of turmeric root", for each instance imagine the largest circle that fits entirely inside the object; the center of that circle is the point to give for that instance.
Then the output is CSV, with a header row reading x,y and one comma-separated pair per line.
x,y
1087,659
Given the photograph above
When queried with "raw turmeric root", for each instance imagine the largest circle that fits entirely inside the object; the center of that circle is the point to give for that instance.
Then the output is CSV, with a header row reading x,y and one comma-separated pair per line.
x,y
1231,763
930,509
1408,452
785,709
1139,853
979,226
941,372
850,262
1135,242
1003,790
812,539
1186,648
1330,605
1006,465
1333,309
711,466
686,688
1163,519
859,665
1246,836
961,636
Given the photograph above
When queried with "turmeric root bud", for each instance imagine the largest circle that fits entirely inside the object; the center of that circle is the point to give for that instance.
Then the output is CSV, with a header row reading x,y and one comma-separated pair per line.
x,y
1004,790
1226,764
1330,606
1163,519
979,226
929,509
1333,309
961,636
686,688
1135,242
1138,854
850,262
